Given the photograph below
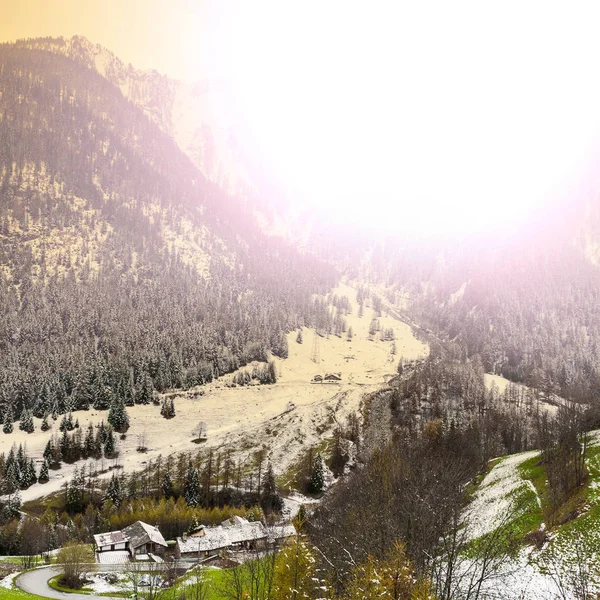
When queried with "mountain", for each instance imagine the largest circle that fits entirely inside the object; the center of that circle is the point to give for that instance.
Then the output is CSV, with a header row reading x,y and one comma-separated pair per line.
x,y
123,267
200,117
525,302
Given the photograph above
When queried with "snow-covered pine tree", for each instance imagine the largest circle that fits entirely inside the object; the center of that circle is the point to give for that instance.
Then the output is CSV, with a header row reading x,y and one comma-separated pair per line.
x,y
28,476
26,421
113,491
21,457
118,417
55,410
167,408
48,451
145,394
44,473
110,446
191,492
8,420
45,426
89,442
69,421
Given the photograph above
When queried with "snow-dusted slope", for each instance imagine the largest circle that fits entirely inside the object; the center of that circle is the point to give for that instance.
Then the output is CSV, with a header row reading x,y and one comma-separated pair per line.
x,y
199,116
566,565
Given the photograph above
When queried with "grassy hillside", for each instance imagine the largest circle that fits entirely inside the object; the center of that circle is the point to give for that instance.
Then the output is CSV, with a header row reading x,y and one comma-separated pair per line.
x,y
548,550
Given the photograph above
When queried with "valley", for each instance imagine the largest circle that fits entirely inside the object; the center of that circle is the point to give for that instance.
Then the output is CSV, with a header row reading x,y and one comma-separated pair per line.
x,y
245,419
422,403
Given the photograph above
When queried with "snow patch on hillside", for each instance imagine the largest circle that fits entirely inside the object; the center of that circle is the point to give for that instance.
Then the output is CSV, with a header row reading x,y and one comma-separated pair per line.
x,y
495,496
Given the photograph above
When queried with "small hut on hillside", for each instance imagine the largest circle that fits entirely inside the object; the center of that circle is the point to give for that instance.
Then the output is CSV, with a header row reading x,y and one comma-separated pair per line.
x,y
333,377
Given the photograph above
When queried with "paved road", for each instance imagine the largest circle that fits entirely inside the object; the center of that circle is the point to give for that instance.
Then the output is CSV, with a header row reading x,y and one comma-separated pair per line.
x,y
36,582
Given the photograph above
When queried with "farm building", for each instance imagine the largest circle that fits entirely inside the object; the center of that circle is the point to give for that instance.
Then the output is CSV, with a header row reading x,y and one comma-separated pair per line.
x,y
137,541
234,534
333,377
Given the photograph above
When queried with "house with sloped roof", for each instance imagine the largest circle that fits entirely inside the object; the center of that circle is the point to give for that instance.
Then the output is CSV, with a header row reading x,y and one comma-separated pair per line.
x,y
144,539
233,535
138,539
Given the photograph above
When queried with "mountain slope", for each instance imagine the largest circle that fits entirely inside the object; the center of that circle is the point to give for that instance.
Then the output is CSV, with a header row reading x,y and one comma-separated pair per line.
x,y
199,116
123,267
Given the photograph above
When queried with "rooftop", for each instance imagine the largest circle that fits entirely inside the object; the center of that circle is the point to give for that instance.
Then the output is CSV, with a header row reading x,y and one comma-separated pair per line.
x,y
141,533
232,531
112,537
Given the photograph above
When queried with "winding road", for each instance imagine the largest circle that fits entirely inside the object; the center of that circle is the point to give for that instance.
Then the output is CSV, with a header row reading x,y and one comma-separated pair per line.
x,y
36,582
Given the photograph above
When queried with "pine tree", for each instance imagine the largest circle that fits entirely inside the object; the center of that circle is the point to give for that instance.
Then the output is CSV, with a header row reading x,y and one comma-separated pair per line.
x,y
26,421
48,451
65,446
55,410
167,409
113,491
373,327
44,474
88,442
28,476
21,458
8,420
45,426
110,447
317,479
146,392
117,416
12,476
57,455
167,486
191,493
270,500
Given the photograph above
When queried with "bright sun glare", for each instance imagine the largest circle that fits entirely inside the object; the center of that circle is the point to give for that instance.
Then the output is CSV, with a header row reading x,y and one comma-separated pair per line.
x,y
428,116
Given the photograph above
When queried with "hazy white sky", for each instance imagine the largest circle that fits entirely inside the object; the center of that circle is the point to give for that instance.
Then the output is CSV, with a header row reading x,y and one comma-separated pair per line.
x,y
409,114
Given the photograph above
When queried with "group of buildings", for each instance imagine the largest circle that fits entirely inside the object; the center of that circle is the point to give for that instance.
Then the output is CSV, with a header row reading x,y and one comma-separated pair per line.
x,y
141,541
